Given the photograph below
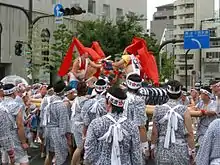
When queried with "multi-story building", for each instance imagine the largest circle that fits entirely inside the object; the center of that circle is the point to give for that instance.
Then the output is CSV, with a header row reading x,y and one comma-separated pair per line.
x,y
189,14
162,19
14,23
211,56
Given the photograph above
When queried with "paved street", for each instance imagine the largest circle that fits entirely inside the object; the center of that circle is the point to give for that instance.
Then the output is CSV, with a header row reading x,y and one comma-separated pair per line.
x,y
36,160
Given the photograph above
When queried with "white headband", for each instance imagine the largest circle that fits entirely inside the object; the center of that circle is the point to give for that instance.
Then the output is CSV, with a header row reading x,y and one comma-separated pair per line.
x,y
115,101
133,85
171,90
100,88
10,91
205,92
70,91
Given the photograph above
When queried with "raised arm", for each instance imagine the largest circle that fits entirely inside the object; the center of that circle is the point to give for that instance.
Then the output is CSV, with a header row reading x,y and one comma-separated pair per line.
x,y
94,65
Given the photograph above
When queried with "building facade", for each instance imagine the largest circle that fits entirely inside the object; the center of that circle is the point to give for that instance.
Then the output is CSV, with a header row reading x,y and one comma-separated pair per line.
x,y
211,56
14,24
189,14
162,19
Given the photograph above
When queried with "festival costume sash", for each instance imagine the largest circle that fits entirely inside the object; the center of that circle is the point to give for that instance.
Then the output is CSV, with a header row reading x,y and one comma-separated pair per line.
x,y
115,133
172,117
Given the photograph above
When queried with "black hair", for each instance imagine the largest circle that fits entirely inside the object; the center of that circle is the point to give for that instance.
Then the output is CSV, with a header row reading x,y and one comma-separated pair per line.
x,y
207,88
8,87
135,78
120,94
82,88
213,82
49,87
68,88
59,86
176,85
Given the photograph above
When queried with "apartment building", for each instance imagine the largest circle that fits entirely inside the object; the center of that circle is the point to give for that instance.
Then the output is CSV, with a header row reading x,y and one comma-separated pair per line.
x,y
189,14
162,20
211,57
14,23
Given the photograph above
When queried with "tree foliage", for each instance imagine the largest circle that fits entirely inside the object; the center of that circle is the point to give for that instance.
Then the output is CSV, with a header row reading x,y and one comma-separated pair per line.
x,y
62,38
167,67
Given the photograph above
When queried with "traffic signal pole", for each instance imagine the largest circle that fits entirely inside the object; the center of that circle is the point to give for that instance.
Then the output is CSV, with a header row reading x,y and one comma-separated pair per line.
x,y
30,31
29,14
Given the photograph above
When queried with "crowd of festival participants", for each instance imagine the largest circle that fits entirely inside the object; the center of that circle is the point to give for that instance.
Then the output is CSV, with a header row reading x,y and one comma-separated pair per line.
x,y
105,122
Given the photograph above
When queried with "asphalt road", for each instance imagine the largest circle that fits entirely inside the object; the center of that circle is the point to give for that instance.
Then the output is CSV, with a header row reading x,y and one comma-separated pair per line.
x,y
37,160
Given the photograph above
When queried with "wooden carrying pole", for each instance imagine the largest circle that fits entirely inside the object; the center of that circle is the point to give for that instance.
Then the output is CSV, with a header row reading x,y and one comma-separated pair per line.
x,y
149,108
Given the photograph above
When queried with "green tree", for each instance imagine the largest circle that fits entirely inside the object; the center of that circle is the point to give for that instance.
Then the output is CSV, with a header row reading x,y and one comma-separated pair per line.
x,y
62,38
167,67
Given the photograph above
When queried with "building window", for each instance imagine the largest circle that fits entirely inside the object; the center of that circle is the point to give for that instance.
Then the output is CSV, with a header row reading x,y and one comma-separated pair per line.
x,y
160,18
211,55
172,17
214,44
106,11
213,32
213,67
92,6
189,5
119,13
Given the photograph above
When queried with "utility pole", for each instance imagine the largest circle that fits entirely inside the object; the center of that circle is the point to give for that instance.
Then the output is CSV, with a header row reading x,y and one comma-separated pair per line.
x,y
30,31
186,69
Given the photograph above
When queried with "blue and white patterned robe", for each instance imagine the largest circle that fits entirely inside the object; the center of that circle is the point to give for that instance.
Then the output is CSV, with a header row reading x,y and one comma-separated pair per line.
x,y
56,129
13,109
204,121
77,120
98,152
209,150
93,108
6,141
177,153
135,109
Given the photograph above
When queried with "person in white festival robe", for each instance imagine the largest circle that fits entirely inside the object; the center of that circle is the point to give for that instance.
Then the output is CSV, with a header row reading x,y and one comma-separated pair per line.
x,y
135,109
172,140
113,139
209,150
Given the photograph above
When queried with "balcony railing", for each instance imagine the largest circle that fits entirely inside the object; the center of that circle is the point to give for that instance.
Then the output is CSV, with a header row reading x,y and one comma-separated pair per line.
x,y
184,11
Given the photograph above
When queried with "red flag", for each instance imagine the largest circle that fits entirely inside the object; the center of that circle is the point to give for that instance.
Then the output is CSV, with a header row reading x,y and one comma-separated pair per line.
x,y
148,64
98,49
93,54
147,60
67,61
80,46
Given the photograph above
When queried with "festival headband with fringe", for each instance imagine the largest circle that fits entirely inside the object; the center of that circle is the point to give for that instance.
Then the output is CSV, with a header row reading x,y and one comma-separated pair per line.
x,y
10,91
100,88
206,92
115,101
133,85
70,91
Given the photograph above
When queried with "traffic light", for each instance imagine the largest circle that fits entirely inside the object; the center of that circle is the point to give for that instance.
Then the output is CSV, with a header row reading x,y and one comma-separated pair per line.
x,y
72,11
18,48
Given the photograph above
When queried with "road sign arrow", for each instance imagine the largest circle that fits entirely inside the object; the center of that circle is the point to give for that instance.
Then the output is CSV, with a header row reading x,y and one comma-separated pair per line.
x,y
197,41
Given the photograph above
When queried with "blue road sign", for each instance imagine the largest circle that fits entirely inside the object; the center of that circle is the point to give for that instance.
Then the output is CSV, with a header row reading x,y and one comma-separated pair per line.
x,y
199,39
56,10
